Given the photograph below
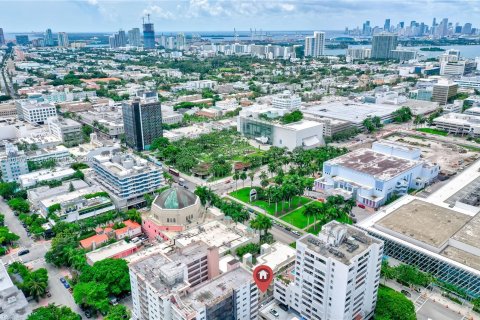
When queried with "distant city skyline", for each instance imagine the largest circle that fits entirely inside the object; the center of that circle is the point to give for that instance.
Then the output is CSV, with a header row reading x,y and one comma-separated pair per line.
x,y
218,15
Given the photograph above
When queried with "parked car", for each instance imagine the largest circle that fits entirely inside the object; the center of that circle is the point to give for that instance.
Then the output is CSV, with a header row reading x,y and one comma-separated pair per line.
x,y
62,280
66,285
88,314
405,292
274,313
282,306
23,252
295,232
361,206
48,293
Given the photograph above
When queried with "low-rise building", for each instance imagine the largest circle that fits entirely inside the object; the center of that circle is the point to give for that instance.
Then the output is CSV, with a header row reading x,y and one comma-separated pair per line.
x,y
32,178
13,304
35,112
34,195
115,250
67,130
459,123
77,204
258,122
353,112
372,176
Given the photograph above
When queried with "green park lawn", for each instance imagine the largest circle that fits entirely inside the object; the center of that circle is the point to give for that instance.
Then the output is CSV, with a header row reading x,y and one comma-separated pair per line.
x,y
433,131
244,196
297,219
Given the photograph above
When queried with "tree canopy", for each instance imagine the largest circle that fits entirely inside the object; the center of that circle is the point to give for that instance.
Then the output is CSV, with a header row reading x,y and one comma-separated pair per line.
x,y
393,305
53,312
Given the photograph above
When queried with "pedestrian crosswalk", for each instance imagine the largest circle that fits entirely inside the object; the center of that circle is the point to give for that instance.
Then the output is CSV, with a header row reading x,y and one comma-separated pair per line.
x,y
421,300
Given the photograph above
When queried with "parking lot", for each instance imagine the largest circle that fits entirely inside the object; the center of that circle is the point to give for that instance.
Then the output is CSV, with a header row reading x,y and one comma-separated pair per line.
x,y
272,311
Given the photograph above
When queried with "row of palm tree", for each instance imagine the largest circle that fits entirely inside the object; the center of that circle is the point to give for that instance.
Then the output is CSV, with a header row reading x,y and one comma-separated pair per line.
x,y
261,223
334,208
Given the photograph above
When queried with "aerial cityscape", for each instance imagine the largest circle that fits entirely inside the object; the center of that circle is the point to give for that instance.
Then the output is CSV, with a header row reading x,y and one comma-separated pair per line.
x,y
239,160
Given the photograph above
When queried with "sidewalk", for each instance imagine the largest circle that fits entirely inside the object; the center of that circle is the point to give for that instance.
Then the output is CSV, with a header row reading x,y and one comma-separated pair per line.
x,y
419,299
257,209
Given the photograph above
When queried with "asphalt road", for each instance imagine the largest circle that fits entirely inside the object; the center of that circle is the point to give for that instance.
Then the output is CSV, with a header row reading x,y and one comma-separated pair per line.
x,y
435,311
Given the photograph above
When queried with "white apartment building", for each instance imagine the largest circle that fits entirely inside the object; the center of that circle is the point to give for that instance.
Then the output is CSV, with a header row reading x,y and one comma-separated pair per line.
x,y
35,112
287,100
336,275
126,177
13,304
315,45
185,284
359,53
13,163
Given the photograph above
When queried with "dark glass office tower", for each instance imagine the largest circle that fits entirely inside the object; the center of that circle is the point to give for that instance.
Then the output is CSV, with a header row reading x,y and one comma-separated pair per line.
x,y
148,34
142,121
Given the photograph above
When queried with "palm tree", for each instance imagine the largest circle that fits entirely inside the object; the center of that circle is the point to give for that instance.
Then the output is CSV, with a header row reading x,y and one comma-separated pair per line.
x,y
310,211
263,175
37,285
243,176
265,223
236,177
272,167
251,175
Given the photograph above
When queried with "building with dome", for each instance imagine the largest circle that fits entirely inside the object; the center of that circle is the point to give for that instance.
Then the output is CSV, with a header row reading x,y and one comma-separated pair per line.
x,y
174,210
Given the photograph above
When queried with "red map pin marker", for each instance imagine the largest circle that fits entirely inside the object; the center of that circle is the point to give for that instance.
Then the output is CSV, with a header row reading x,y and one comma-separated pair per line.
x,y
263,275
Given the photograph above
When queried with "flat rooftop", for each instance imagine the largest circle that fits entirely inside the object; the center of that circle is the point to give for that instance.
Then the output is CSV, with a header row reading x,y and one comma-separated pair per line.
x,y
379,165
470,233
463,257
220,287
216,234
355,241
351,111
424,222
110,250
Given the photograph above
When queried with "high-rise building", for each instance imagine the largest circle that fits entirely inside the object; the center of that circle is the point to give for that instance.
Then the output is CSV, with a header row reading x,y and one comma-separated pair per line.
x,y
134,37
467,28
142,121
122,39
2,37
48,38
148,35
337,274
181,41
386,26
444,90
367,29
315,45
63,40
22,40
118,40
383,44
185,284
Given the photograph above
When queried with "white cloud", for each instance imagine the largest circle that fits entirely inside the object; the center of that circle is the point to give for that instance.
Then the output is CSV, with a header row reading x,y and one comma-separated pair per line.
x,y
158,12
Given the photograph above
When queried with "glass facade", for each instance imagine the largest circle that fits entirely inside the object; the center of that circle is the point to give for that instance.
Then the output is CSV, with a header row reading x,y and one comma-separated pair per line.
x,y
256,129
142,124
441,269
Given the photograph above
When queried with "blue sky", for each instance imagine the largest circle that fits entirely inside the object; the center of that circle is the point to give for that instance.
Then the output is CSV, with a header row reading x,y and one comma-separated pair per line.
x,y
224,15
